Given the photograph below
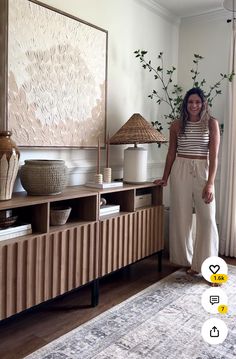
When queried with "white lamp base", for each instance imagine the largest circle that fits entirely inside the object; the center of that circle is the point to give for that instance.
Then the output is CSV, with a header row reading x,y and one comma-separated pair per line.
x,y
135,165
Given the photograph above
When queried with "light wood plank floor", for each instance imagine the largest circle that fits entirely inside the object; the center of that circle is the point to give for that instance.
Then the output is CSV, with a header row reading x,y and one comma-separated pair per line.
x,y
28,331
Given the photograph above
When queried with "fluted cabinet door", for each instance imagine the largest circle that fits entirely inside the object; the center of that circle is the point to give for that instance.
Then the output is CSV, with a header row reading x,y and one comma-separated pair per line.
x,y
129,237
148,231
116,242
41,267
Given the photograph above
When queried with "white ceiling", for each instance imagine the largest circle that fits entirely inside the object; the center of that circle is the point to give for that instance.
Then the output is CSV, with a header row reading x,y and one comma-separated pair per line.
x,y
185,8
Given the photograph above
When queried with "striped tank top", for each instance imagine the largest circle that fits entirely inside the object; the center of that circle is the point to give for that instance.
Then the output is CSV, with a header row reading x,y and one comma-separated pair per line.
x,y
195,140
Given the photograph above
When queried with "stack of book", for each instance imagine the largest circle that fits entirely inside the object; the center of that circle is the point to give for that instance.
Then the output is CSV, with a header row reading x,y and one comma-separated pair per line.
x,y
104,185
16,230
107,209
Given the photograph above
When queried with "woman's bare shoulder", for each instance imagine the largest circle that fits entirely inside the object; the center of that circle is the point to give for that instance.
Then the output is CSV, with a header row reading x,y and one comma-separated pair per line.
x,y
175,126
213,123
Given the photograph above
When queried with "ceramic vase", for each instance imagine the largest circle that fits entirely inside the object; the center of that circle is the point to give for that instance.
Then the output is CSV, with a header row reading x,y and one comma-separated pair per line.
x,y
9,164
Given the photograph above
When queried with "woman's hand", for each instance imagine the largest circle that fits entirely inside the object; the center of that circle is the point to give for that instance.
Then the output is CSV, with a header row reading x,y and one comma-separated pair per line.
x,y
208,193
160,182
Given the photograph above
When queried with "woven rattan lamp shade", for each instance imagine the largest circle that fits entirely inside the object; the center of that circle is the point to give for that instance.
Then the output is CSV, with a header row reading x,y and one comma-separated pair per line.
x,y
137,130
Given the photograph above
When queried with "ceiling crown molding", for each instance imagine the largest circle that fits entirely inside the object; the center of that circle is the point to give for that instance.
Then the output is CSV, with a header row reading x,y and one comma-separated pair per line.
x,y
220,14
159,10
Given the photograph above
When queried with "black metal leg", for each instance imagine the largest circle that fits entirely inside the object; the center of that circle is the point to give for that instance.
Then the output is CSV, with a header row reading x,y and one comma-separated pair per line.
x,y
159,254
94,292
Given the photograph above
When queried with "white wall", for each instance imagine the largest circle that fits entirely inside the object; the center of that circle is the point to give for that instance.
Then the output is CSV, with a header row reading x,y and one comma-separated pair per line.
x,y
209,36
131,25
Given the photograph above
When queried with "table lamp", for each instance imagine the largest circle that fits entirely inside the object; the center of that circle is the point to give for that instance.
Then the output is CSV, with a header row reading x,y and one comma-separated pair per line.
x,y
136,130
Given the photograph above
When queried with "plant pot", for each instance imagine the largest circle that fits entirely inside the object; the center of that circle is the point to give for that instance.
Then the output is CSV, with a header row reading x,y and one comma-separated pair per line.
x,y
44,177
9,164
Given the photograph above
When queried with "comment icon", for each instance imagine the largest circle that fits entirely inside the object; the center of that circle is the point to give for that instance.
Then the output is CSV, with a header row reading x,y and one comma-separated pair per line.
x,y
214,299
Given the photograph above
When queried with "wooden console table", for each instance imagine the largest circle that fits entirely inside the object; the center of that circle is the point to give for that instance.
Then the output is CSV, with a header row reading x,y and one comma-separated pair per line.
x,y
56,259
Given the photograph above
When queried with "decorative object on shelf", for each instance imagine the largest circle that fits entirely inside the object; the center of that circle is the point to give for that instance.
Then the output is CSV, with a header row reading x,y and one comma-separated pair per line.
x,y
136,130
43,177
8,221
54,52
9,164
104,185
103,201
5,214
107,172
59,215
98,177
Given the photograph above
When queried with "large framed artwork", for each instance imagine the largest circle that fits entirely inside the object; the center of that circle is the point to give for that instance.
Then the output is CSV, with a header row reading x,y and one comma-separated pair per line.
x,y
57,74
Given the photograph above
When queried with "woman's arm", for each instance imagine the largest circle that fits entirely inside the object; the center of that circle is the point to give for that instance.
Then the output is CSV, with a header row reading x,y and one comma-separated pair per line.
x,y
174,129
214,143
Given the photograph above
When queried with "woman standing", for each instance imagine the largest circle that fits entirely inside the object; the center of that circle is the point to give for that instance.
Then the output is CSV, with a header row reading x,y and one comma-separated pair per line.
x,y
192,164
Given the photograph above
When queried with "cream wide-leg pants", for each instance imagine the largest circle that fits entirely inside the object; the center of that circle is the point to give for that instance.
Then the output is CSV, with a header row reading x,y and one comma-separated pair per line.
x,y
187,180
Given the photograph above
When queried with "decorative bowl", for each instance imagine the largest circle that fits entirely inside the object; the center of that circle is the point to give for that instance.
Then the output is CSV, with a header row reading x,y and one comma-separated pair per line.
x,y
59,215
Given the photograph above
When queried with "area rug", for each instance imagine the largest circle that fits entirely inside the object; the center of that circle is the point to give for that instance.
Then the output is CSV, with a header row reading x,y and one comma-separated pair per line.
x,y
162,322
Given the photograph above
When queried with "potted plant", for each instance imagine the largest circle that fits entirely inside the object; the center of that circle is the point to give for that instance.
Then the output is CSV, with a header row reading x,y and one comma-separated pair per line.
x,y
172,94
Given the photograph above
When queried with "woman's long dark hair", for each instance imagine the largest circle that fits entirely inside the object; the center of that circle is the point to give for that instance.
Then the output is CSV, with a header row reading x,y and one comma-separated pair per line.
x,y
204,114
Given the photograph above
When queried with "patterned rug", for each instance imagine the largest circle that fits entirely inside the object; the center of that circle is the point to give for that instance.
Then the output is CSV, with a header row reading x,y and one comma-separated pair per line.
x,y
162,322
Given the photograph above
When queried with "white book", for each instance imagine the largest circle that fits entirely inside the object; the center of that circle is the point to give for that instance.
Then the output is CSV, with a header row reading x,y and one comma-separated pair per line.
x,y
104,185
108,213
109,208
15,228
24,232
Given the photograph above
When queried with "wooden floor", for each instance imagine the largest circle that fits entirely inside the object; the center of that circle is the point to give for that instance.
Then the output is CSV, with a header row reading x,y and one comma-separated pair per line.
x,y
26,332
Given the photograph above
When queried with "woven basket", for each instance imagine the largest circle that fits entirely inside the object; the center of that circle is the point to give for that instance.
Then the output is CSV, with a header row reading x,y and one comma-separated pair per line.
x,y
59,215
43,177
